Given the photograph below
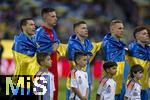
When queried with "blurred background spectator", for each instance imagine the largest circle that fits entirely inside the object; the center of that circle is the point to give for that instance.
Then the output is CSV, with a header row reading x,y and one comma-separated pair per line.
x,y
97,13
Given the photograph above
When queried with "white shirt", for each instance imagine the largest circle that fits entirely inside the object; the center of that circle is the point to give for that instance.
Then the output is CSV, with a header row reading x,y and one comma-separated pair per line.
x,y
106,89
50,86
79,79
133,90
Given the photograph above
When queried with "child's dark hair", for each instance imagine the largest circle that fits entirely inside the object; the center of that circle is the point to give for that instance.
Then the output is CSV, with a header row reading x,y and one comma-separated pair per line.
x,y
77,55
134,69
109,64
41,57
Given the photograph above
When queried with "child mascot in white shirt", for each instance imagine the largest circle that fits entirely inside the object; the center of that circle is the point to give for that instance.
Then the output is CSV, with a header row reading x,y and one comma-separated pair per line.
x,y
79,78
133,86
107,85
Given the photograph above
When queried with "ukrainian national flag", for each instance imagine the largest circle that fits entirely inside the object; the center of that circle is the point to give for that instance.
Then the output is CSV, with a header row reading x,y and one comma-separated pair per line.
x,y
24,56
75,45
140,55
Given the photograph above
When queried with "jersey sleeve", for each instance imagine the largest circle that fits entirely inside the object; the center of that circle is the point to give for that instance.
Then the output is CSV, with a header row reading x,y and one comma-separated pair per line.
x,y
99,91
102,87
129,88
52,89
73,82
87,80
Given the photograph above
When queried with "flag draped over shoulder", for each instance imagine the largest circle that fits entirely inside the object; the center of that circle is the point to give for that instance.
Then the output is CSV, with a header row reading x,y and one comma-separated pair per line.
x,y
140,55
114,50
75,45
45,40
24,55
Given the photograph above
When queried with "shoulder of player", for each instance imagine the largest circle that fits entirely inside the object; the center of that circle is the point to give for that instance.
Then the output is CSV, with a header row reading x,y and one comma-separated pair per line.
x,y
73,73
130,84
103,81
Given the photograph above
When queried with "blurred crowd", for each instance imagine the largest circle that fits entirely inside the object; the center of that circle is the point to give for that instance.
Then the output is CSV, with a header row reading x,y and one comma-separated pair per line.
x,y
97,14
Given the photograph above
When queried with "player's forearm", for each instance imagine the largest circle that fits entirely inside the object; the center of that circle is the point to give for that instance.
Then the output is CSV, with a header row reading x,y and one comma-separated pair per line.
x,y
87,92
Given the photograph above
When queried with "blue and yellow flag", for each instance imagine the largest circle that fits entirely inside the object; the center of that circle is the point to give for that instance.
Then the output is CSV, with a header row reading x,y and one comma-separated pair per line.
x,y
140,55
44,41
75,45
24,56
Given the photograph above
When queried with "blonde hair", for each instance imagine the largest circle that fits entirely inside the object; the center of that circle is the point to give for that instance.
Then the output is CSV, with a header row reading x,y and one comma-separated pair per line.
x,y
113,22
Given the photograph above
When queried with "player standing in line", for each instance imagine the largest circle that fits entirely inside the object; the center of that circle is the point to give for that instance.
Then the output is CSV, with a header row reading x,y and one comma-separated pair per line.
x,y
47,41
139,53
114,50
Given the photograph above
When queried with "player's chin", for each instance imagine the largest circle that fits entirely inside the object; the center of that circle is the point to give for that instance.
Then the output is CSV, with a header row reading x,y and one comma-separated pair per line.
x,y
120,36
31,33
86,35
54,24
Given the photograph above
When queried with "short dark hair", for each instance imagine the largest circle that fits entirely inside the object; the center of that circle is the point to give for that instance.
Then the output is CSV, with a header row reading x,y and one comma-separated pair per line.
x,y
109,64
23,22
79,54
134,69
41,57
113,22
138,29
46,10
78,23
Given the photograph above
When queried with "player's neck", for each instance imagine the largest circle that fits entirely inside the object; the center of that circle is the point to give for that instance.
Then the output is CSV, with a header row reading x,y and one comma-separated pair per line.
x,y
141,43
136,79
109,75
79,67
43,68
115,37
81,38
27,34
48,26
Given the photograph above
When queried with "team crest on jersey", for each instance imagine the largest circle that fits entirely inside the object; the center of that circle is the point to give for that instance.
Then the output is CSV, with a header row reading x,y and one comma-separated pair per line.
x,y
79,80
135,93
108,90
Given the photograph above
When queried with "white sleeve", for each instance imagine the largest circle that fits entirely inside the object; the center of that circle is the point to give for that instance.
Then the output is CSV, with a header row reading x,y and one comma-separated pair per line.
x,y
52,86
102,89
73,82
87,85
99,91
128,92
